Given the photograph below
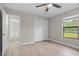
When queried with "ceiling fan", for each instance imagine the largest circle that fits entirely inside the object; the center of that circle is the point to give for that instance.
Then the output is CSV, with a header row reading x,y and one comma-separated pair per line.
x,y
48,5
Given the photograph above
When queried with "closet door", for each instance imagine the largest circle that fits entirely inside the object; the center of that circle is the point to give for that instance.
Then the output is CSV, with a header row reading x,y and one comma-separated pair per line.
x,y
40,29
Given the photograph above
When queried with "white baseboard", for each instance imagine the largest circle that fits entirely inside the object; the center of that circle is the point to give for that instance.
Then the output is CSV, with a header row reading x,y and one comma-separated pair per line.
x,y
77,47
28,43
31,42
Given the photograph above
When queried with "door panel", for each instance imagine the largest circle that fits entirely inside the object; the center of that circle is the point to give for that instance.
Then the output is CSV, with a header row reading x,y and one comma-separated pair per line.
x,y
4,33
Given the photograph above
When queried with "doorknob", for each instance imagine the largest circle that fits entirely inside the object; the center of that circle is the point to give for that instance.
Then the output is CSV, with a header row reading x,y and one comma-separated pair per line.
x,y
3,34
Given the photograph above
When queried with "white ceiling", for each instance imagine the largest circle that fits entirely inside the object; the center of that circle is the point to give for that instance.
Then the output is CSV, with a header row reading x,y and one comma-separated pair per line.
x,y
30,8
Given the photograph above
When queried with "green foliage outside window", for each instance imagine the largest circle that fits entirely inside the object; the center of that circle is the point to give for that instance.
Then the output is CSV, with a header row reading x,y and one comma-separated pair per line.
x,y
70,29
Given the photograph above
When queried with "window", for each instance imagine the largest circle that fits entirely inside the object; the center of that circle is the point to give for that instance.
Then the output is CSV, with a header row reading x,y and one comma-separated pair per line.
x,y
71,28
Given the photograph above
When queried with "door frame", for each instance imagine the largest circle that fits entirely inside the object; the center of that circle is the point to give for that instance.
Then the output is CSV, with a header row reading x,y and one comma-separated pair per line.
x,y
1,32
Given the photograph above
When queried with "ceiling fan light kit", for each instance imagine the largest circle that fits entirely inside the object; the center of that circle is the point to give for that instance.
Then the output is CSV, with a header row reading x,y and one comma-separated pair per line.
x,y
48,5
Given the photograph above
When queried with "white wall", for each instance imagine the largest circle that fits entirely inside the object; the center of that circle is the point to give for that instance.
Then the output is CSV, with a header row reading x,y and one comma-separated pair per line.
x,y
27,25
56,30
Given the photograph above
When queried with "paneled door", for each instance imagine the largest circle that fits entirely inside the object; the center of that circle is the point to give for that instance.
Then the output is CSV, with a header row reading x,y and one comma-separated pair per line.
x,y
4,31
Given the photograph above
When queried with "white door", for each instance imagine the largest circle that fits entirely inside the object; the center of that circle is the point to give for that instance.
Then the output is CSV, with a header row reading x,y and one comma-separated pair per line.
x,y
4,31
40,29
14,27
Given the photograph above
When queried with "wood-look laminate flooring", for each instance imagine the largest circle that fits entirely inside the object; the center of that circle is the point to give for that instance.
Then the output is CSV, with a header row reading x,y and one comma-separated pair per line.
x,y
42,48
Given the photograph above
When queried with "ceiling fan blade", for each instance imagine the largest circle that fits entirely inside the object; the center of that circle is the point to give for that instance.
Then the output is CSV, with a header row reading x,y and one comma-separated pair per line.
x,y
47,9
57,6
41,5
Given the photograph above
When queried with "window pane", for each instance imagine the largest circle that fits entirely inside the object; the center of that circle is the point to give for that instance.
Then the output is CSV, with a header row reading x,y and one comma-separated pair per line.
x,y
71,28
70,32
